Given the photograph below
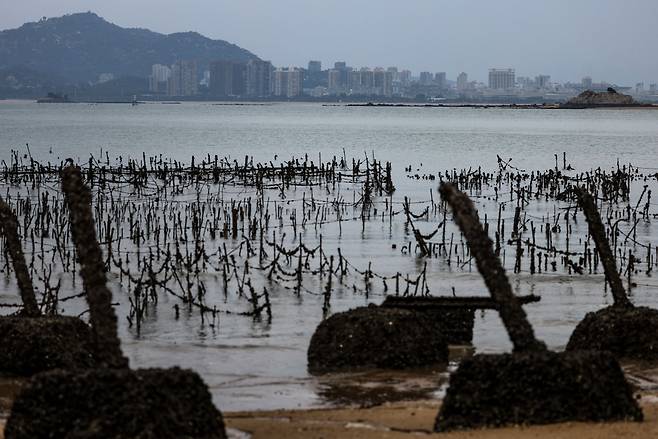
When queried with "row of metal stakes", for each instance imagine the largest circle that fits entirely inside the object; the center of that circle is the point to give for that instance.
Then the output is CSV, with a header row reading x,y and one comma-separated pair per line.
x,y
81,383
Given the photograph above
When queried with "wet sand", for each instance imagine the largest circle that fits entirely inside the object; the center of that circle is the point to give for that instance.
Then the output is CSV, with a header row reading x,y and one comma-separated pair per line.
x,y
411,419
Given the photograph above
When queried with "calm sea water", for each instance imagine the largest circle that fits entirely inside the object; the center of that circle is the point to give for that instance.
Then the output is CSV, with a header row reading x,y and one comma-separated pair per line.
x,y
253,365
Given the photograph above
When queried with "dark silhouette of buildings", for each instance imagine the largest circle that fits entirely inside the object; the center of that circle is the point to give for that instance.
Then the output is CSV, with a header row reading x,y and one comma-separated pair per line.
x,y
238,79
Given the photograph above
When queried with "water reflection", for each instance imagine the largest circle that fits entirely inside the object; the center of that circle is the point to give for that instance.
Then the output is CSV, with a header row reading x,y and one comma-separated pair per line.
x,y
375,387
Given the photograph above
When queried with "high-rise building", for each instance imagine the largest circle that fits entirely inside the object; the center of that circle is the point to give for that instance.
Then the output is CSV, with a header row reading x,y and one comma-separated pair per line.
x,y
183,80
341,67
500,79
159,76
387,85
440,80
462,82
239,87
189,78
405,77
394,72
526,82
259,79
280,82
587,83
314,77
382,82
205,79
334,82
542,81
652,88
354,82
288,82
367,80
221,78
228,78
174,83
426,78
378,77
295,82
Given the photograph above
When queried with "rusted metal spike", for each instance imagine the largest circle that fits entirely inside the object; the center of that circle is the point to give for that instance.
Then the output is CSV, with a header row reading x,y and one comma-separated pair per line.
x,y
9,227
516,322
102,316
597,231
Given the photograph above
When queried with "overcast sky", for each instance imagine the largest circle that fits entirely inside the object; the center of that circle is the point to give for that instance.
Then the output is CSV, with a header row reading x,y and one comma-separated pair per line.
x,y
613,40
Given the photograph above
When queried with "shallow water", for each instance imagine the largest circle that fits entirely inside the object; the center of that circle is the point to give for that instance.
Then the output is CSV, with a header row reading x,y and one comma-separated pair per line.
x,y
258,365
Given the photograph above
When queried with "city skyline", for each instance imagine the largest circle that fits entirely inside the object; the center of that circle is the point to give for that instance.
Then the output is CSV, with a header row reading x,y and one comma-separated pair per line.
x,y
255,79
561,39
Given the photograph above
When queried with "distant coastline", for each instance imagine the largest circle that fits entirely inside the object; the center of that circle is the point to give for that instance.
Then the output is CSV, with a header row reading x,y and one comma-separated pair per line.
x,y
559,106
339,103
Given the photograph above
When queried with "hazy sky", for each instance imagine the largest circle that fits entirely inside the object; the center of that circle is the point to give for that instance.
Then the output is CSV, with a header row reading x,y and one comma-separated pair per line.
x,y
614,40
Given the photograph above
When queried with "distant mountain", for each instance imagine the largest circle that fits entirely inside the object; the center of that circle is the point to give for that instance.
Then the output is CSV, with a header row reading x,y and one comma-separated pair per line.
x,y
21,76
80,47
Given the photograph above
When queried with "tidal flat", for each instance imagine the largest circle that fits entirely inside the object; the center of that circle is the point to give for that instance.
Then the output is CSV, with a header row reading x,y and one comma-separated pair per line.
x,y
219,225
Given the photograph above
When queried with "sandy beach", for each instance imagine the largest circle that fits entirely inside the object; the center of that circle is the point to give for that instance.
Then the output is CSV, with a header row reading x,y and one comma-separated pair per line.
x,y
411,419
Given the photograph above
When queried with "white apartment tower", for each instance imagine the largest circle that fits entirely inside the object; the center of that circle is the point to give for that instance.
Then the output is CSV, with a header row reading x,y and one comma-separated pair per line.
x,y
501,79
288,82
159,76
183,80
462,81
